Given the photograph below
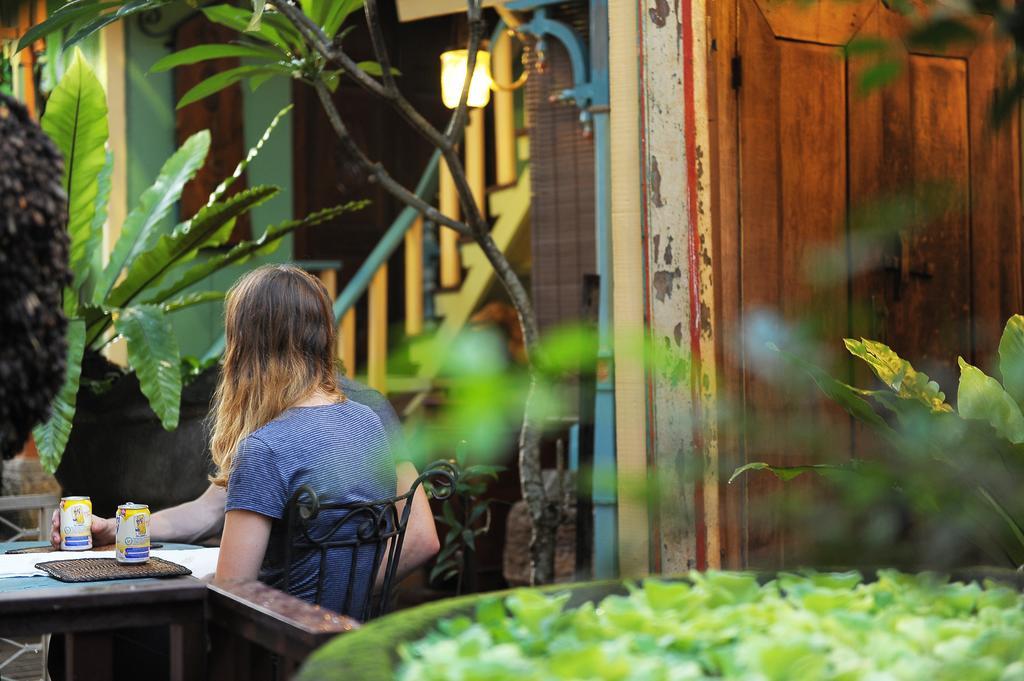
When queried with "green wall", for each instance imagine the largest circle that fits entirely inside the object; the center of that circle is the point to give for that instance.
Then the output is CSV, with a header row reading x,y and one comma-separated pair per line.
x,y
151,140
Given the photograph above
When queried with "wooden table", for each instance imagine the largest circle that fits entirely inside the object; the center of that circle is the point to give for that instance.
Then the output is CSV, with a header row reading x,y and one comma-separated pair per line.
x,y
256,633
88,612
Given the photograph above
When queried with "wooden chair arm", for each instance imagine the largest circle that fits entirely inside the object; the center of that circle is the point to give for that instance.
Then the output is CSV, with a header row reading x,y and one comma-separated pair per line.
x,y
274,620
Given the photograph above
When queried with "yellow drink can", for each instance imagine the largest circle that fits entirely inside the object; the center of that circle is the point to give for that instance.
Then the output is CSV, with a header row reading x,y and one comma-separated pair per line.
x,y
132,523
75,524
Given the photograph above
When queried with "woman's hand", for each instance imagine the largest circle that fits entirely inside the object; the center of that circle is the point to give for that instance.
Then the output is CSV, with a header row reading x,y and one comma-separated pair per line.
x,y
242,547
104,530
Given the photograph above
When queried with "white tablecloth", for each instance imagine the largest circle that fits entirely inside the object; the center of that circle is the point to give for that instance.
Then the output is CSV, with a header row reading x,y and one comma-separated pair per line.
x,y
202,562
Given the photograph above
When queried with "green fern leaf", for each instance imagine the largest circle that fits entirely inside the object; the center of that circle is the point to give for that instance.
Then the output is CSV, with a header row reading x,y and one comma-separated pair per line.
x,y
153,354
51,437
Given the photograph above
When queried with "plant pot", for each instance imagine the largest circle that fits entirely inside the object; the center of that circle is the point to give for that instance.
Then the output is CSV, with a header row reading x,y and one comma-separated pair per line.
x,y
372,652
119,452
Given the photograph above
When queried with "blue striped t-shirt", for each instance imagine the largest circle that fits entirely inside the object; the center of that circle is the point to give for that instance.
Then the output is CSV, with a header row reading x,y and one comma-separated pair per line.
x,y
342,452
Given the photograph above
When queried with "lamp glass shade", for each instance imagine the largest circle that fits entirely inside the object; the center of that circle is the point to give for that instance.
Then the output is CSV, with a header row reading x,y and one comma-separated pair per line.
x,y
453,75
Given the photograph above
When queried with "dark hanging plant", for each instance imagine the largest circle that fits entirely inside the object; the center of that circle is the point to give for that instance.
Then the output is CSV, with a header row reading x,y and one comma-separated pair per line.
x,y
33,270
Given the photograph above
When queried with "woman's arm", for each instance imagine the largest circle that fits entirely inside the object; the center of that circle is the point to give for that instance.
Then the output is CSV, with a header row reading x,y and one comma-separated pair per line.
x,y
187,523
421,543
192,521
242,547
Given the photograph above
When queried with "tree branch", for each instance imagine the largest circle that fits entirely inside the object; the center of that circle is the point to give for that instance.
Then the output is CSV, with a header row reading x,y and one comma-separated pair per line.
x,y
380,49
306,26
377,172
389,91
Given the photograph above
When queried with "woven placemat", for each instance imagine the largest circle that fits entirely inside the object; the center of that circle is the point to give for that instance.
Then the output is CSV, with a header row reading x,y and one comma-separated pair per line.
x,y
102,569
50,549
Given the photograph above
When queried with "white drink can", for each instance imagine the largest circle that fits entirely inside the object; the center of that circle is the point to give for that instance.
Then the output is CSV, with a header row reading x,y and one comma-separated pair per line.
x,y
132,533
75,524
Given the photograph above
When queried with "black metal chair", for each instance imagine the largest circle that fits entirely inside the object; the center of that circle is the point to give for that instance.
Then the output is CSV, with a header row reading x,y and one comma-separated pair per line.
x,y
362,529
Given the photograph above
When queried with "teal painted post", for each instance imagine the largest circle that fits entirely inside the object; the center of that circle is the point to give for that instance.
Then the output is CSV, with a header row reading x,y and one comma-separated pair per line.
x,y
605,560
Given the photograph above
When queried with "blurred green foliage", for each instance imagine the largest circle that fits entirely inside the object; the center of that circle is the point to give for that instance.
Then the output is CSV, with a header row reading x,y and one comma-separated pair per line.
x,y
962,467
726,625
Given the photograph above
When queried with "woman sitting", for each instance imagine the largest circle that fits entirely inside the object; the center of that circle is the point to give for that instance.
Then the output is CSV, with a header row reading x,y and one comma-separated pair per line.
x,y
280,422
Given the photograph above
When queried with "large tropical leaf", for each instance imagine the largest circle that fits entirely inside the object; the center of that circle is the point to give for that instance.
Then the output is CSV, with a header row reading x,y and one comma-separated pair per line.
x,y
239,19
223,187
211,226
846,396
153,354
1011,523
286,30
223,79
75,11
126,10
140,227
338,12
1011,358
190,299
315,10
51,437
258,7
268,241
193,55
937,434
94,259
76,120
980,397
898,374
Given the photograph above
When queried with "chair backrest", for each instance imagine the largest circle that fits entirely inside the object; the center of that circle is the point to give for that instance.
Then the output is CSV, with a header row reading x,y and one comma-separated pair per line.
x,y
372,531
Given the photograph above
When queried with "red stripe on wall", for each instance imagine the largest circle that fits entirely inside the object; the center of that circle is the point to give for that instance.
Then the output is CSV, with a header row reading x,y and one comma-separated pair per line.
x,y
690,134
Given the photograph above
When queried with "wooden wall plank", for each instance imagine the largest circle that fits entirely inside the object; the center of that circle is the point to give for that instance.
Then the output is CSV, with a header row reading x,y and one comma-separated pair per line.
x,y
628,291
940,159
995,209
724,169
759,259
793,204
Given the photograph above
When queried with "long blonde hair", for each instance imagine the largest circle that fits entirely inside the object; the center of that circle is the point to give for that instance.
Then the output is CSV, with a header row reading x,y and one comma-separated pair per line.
x,y
279,332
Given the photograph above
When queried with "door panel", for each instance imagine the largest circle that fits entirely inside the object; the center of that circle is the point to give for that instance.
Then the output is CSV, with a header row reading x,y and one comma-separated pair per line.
x,y
811,151
793,201
828,22
995,202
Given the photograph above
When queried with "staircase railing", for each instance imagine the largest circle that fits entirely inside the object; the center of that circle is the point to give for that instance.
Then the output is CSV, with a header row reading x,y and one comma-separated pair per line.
x,y
373,275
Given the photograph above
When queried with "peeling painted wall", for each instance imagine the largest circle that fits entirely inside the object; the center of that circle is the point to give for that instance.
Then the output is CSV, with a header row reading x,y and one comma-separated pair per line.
x,y
677,246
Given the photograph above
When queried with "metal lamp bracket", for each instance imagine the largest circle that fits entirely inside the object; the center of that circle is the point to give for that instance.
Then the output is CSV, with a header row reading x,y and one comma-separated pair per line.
x,y
541,27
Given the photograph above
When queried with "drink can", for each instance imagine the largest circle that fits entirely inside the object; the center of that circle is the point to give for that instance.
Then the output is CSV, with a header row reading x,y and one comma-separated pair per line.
x,y
132,522
75,524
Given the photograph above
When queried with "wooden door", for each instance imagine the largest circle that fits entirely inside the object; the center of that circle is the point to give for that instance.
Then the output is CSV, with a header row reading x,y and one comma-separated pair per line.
x,y
801,152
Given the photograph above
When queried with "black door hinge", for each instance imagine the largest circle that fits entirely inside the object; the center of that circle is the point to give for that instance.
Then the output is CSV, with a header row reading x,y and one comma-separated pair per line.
x,y
737,72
